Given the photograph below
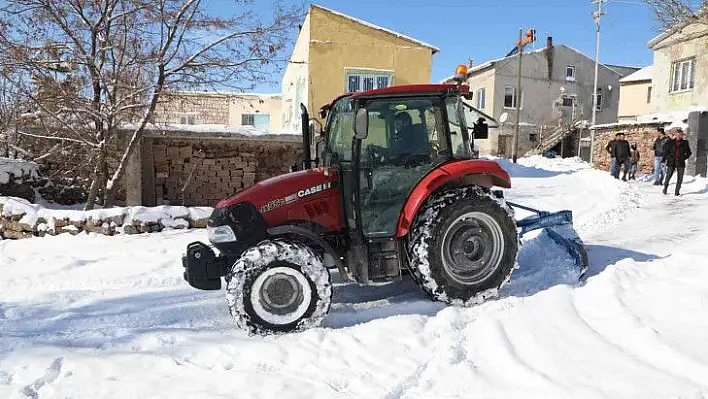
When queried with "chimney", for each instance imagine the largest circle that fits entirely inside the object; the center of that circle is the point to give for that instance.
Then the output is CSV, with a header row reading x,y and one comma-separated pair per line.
x,y
549,42
549,57
470,62
299,28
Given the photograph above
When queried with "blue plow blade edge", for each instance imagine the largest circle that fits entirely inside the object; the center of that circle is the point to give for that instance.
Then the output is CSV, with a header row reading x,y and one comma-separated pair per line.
x,y
559,227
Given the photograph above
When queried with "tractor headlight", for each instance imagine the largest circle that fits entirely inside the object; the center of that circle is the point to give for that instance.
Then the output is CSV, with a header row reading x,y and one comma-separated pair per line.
x,y
221,234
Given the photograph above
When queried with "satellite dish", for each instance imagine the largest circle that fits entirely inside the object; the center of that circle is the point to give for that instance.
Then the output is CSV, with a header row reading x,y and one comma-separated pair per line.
x,y
504,117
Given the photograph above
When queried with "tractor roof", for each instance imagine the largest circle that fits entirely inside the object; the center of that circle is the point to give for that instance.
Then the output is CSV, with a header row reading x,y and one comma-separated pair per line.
x,y
401,90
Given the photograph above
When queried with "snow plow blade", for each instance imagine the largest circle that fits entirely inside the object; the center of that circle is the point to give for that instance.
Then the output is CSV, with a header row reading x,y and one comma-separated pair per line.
x,y
559,227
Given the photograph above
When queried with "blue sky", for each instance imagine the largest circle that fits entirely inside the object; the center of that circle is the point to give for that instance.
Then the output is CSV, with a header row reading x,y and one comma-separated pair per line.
x,y
487,29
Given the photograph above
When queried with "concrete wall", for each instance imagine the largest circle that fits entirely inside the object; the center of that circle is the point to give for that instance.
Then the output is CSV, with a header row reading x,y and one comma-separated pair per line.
x,y
338,43
296,81
633,100
218,108
692,41
256,104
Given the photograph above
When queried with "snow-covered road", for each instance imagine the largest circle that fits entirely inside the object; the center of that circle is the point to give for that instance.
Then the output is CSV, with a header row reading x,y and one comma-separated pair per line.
x,y
110,317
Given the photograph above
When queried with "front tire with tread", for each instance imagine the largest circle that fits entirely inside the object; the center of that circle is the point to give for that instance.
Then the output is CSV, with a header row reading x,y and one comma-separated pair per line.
x,y
300,266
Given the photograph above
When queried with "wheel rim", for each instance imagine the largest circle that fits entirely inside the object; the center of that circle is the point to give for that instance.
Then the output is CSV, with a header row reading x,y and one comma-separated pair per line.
x,y
472,247
281,295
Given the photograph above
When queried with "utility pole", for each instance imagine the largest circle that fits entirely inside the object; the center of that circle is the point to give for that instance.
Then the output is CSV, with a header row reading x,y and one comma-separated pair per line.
x,y
596,16
517,97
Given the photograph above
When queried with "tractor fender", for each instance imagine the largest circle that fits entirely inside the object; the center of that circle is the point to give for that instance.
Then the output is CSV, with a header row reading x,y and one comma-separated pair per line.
x,y
468,172
309,236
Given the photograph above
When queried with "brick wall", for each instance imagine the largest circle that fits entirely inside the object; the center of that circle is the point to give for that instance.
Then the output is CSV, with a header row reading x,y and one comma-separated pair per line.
x,y
205,108
209,168
642,135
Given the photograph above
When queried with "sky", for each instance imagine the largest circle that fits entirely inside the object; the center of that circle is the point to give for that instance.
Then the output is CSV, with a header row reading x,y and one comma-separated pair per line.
x,y
488,29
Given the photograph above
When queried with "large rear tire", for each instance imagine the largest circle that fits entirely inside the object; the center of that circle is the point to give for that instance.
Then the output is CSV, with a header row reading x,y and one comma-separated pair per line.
x,y
463,245
278,287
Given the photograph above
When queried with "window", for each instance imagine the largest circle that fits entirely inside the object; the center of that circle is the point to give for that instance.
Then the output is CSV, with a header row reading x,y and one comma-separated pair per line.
x,y
570,73
248,120
187,120
341,132
481,98
567,101
367,80
649,95
599,100
510,97
458,146
533,137
684,75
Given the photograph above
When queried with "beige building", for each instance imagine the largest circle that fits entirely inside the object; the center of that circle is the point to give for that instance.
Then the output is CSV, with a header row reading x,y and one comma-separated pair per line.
x,y
232,110
335,53
635,95
680,70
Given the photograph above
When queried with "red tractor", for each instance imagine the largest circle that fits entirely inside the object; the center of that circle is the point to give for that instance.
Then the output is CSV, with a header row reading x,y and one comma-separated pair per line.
x,y
394,189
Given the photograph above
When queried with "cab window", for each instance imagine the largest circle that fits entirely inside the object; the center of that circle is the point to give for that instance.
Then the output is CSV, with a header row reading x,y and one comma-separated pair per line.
x,y
340,128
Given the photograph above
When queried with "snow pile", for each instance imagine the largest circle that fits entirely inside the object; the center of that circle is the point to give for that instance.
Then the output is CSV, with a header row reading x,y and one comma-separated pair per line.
x,y
245,131
17,170
34,218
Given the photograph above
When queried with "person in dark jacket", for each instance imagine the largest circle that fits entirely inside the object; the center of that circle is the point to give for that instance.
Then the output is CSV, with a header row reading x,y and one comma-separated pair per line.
x,y
613,160
634,162
676,152
658,148
619,149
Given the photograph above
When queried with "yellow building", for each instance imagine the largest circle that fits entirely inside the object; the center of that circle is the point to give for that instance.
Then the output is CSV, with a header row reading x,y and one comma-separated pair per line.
x,y
335,53
635,95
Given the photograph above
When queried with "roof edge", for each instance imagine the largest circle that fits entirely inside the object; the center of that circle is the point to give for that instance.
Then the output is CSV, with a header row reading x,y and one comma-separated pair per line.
x,y
377,27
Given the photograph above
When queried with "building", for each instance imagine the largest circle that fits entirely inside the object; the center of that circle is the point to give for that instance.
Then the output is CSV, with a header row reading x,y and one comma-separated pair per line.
x,y
335,53
557,84
680,69
228,110
635,95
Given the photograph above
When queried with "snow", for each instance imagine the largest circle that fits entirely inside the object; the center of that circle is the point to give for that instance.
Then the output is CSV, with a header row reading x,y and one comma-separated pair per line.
x,y
641,75
17,169
171,216
370,25
246,130
671,119
91,316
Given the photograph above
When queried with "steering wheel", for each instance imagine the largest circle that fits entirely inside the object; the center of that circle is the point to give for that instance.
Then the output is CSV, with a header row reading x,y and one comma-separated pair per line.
x,y
376,154
410,159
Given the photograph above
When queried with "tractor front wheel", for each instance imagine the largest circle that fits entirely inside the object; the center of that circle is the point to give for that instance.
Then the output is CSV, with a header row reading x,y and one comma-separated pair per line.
x,y
463,245
278,287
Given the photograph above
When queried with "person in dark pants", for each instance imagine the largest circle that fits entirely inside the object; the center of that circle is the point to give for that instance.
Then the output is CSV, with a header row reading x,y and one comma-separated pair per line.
x,y
676,152
620,150
634,160
613,159
658,148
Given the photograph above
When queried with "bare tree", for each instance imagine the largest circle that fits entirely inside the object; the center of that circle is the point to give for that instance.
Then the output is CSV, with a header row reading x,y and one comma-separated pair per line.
x,y
670,13
99,66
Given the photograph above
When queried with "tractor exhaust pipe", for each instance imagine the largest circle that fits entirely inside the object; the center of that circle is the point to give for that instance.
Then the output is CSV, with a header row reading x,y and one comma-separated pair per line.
x,y
305,123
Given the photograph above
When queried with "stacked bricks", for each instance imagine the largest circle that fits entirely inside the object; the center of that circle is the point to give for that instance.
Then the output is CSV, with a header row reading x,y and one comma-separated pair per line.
x,y
211,170
642,135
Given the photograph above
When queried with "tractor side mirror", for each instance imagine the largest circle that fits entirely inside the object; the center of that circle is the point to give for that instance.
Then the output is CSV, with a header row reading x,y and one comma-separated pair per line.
x,y
361,124
480,130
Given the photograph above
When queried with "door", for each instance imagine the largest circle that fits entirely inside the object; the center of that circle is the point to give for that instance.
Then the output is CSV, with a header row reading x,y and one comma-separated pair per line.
x,y
262,122
340,139
405,141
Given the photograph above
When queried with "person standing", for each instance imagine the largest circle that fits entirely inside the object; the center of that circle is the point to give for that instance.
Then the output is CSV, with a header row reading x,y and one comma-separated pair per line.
x,y
634,161
676,152
622,153
659,144
611,147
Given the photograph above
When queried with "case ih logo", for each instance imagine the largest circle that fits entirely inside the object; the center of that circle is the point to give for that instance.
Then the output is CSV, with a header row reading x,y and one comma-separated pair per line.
x,y
277,203
313,190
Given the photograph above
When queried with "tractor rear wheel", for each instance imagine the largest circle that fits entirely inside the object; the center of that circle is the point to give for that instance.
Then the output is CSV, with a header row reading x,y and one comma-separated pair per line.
x,y
278,287
463,245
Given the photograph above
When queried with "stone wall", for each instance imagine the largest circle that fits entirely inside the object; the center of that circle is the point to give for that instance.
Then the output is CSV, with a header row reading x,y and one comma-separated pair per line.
x,y
642,135
202,108
199,170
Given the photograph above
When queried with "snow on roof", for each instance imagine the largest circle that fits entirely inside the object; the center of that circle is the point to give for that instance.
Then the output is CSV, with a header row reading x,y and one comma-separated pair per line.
x,y
11,169
224,93
370,25
641,75
247,130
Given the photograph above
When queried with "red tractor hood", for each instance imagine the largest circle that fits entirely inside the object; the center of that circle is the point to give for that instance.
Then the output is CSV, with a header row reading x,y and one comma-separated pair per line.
x,y
284,189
